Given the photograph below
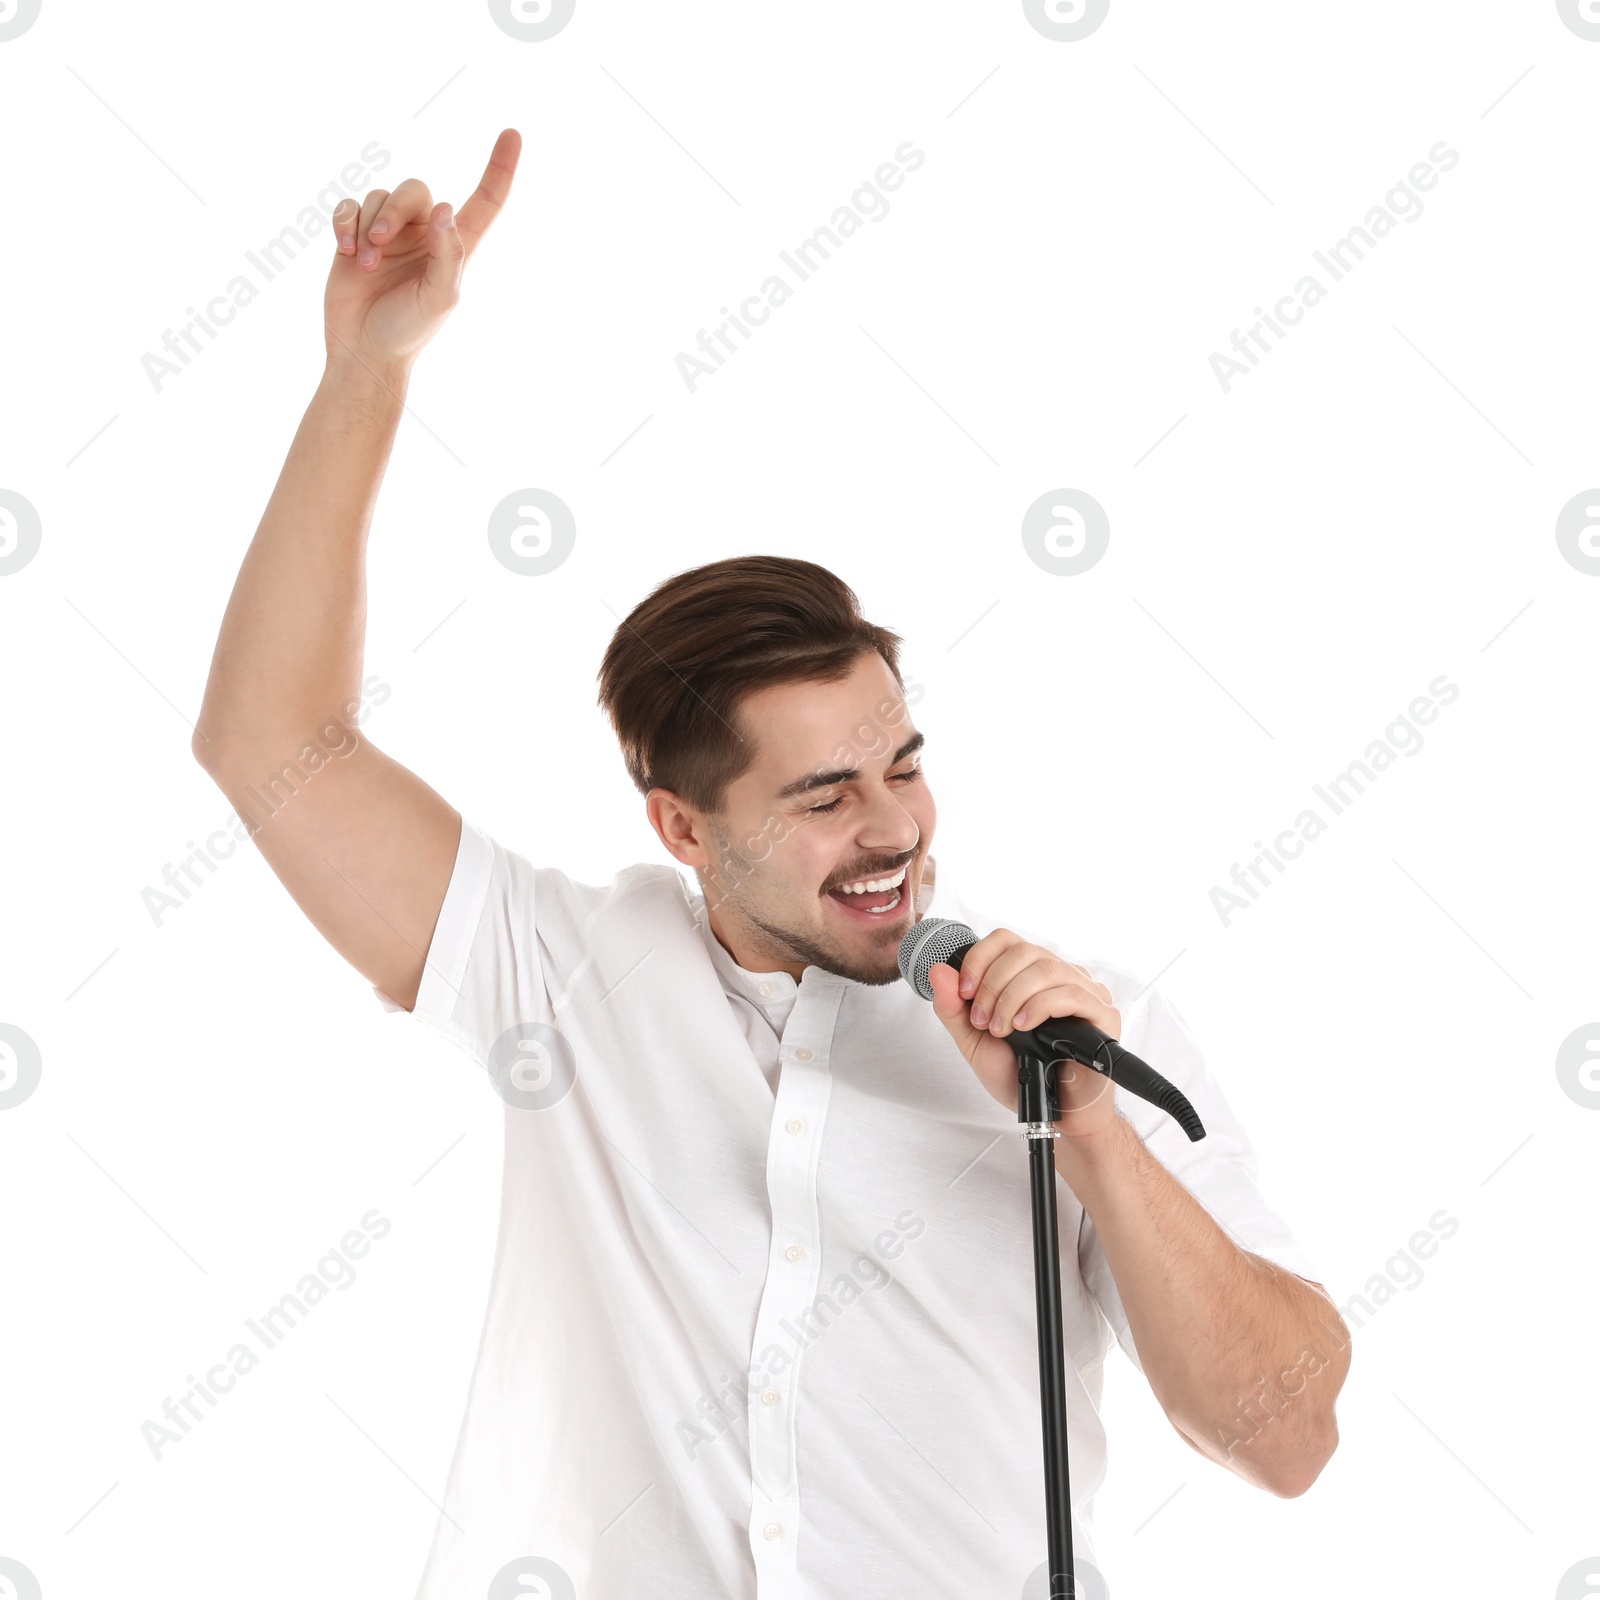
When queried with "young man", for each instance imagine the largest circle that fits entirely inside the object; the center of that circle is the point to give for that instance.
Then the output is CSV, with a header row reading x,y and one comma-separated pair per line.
x,y
762,1318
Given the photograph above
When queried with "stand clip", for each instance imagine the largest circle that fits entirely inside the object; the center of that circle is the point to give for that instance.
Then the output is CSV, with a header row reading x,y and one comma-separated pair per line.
x,y
1037,1103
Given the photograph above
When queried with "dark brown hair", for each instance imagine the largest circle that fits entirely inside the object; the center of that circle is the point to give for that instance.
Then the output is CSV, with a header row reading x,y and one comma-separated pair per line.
x,y
678,665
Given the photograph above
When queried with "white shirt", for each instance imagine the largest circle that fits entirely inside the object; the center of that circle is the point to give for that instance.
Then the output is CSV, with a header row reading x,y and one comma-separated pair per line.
x,y
761,1319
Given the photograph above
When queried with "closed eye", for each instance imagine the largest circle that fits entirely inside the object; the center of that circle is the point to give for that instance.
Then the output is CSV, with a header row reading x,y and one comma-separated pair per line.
x,y
833,805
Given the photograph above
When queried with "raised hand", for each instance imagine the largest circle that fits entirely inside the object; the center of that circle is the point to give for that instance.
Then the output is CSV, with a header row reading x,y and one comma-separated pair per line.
x,y
397,273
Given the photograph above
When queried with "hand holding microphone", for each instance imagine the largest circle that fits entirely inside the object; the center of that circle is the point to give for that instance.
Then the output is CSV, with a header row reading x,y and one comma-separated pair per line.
x,y
1030,999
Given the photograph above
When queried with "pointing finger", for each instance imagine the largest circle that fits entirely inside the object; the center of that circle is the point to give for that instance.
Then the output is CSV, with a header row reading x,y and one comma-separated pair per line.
x,y
478,214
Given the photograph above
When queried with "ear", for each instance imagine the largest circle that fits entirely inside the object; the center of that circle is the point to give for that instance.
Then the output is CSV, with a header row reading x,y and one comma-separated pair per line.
x,y
680,828
676,828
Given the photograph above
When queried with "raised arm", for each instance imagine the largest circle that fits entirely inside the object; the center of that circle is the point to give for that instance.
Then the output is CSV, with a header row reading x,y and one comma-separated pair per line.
x,y
364,846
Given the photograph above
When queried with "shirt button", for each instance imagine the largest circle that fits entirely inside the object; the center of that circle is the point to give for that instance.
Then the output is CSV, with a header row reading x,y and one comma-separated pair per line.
x,y
773,1530
766,988
795,1125
794,1252
771,1397
802,1054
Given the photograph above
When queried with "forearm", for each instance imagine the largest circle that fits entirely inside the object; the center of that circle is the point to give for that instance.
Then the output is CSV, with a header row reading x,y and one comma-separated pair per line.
x,y
1245,1358
289,652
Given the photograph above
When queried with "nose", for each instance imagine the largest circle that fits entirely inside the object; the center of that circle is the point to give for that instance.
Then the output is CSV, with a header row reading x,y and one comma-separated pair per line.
x,y
889,836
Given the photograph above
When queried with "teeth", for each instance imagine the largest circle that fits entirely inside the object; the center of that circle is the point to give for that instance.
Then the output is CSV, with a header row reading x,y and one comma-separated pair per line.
x,y
869,885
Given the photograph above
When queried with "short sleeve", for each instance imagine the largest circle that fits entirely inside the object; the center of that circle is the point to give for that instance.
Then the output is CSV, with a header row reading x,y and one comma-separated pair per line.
x,y
485,972
1219,1170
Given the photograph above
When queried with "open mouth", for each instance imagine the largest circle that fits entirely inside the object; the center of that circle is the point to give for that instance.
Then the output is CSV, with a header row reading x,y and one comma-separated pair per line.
x,y
875,905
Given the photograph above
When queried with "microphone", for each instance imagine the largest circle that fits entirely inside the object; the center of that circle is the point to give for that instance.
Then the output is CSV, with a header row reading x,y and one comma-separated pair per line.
x,y
936,939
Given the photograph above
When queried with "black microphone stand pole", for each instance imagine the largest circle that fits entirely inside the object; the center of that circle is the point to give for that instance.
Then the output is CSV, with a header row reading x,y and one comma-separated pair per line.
x,y
1037,1108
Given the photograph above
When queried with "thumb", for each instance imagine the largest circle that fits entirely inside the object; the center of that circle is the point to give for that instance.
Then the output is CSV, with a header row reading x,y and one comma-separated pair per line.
x,y
447,256
949,1007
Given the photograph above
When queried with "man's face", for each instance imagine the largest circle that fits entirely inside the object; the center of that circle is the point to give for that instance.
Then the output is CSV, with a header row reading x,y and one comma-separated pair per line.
x,y
834,797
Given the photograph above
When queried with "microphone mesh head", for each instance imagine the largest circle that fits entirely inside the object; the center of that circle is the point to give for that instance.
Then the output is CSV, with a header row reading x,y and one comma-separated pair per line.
x,y
932,940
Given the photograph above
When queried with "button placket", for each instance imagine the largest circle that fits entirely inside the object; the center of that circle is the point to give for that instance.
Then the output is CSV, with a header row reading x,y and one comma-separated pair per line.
x,y
793,1269
774,1529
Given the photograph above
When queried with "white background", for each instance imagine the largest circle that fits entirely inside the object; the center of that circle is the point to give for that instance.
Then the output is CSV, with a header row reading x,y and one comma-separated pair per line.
x,y
1293,562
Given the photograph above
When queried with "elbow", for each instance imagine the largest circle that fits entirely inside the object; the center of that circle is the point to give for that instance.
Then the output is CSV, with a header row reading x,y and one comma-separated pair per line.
x,y
1294,1477
216,760
218,756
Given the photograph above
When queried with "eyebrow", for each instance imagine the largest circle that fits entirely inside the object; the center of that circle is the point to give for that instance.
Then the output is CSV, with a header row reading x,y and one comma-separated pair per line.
x,y
826,780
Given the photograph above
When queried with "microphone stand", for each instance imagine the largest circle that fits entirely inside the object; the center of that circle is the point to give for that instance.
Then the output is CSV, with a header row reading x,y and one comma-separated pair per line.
x,y
1038,1051
1037,1108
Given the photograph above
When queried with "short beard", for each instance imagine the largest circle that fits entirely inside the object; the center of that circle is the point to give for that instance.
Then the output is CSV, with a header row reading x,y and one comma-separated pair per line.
x,y
836,962
736,871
